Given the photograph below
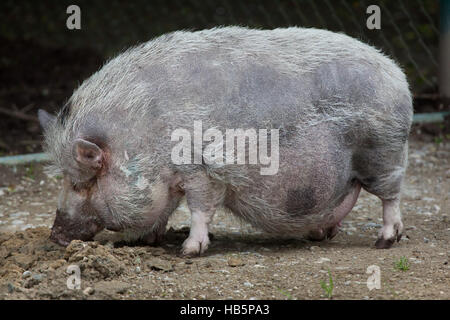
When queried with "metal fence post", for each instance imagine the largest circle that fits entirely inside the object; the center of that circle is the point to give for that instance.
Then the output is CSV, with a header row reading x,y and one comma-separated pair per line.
x,y
444,49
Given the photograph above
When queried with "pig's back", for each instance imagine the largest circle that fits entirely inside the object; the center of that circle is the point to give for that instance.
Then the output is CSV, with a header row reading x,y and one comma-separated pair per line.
x,y
278,78
236,77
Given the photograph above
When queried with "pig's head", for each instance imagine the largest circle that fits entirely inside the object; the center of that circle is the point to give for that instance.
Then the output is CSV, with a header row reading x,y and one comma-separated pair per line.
x,y
102,189
77,216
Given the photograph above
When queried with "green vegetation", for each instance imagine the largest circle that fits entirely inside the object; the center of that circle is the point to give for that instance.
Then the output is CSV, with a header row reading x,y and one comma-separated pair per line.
x,y
29,172
328,288
402,264
287,294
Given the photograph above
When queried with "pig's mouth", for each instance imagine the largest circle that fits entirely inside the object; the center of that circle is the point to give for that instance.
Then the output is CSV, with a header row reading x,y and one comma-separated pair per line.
x,y
65,230
59,238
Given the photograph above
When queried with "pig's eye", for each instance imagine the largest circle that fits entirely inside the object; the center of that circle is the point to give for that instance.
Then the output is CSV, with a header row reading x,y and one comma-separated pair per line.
x,y
80,186
77,187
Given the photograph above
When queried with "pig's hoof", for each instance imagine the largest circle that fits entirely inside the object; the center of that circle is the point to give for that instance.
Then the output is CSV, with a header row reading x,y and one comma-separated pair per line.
x,y
388,234
322,234
316,235
387,243
384,243
193,247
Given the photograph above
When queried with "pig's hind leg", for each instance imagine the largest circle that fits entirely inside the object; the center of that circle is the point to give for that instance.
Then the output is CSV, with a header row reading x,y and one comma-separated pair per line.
x,y
203,197
381,173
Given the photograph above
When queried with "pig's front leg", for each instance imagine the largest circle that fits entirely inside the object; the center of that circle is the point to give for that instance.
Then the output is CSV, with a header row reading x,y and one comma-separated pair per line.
x,y
203,197
198,240
392,224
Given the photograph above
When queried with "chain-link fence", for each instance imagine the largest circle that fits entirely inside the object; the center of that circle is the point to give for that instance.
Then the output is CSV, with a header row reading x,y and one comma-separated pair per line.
x,y
409,29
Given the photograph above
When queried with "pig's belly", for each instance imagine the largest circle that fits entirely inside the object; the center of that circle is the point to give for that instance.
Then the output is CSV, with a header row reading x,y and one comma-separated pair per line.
x,y
302,196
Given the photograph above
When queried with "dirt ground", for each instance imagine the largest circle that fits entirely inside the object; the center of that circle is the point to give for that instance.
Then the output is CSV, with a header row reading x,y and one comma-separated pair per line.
x,y
241,262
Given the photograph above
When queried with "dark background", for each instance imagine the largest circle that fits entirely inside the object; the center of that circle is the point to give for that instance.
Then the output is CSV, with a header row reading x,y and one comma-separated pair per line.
x,y
42,62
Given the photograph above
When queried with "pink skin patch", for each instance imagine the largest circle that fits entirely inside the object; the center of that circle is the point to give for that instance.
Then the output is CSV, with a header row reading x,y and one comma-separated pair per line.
x,y
338,214
347,205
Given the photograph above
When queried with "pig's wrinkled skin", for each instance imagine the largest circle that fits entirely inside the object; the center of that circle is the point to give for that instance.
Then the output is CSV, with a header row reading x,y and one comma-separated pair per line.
x,y
342,108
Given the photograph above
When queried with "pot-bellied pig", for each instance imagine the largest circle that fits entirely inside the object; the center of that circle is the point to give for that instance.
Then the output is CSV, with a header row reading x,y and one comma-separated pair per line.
x,y
316,115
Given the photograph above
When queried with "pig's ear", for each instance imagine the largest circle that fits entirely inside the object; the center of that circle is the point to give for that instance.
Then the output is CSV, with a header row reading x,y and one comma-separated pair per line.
x,y
88,154
45,119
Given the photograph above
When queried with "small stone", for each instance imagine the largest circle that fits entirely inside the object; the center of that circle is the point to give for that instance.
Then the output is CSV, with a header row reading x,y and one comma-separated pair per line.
x,y
314,248
415,260
89,291
26,274
223,271
322,260
235,262
37,277
138,269
10,287
34,280
248,284
188,262
426,240
373,225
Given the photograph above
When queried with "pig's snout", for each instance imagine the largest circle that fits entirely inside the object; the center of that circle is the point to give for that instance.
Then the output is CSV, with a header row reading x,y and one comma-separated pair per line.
x,y
58,238
57,235
65,230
